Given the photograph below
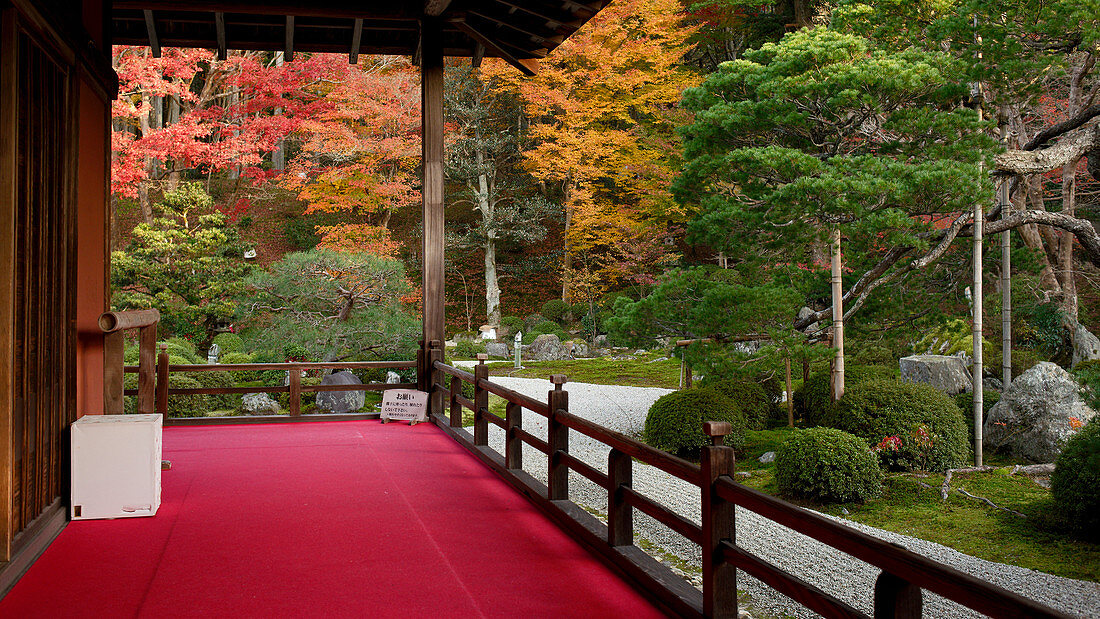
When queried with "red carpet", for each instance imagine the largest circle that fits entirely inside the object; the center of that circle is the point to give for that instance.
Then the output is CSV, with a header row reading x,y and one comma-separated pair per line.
x,y
353,519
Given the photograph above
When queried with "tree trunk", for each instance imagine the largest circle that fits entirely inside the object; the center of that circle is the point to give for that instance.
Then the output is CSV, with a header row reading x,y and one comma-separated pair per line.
x,y
1066,276
567,261
492,288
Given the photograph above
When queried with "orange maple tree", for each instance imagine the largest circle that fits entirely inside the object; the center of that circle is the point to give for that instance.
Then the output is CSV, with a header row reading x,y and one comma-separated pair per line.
x,y
604,107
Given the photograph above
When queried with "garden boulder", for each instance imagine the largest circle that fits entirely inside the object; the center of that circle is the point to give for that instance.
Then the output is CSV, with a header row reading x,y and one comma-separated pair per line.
x,y
1086,346
1033,418
546,347
259,404
580,348
946,373
341,401
497,349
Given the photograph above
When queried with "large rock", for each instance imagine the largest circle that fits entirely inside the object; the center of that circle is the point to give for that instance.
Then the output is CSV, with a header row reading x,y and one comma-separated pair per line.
x,y
259,404
580,348
341,401
947,374
1086,346
806,312
546,347
1032,420
497,349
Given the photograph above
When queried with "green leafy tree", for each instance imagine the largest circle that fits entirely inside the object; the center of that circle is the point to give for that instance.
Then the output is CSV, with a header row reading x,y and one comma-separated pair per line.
x,y
335,305
485,158
822,130
188,264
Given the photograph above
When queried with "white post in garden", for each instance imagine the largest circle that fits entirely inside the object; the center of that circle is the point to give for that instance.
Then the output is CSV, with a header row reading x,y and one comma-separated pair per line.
x,y
518,347
977,331
838,318
1006,292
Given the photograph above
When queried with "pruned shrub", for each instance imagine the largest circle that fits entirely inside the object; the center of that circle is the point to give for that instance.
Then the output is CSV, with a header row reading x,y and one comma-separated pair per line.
x,y
814,398
187,405
827,465
179,347
675,421
240,376
229,342
555,310
218,380
750,397
1075,483
514,324
912,425
466,349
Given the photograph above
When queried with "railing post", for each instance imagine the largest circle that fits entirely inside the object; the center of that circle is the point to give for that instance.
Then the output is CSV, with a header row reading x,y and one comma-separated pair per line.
x,y
456,408
147,350
421,369
620,515
719,577
295,384
435,397
557,435
513,444
896,598
113,373
481,402
162,380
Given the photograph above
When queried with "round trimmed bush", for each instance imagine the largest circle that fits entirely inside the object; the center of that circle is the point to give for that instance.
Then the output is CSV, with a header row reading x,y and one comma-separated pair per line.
x,y
555,310
1075,483
181,348
930,427
813,399
229,342
240,376
187,405
827,465
750,397
218,380
546,326
675,421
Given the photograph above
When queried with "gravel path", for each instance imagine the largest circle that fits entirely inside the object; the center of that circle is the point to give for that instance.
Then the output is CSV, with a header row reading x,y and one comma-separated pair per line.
x,y
624,409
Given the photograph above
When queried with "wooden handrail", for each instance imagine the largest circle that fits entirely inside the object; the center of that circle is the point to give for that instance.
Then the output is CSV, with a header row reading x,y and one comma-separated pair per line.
x,y
897,591
919,570
303,365
113,324
294,369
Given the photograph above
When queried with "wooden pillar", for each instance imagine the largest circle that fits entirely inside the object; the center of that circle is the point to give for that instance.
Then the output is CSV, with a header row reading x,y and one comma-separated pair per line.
x,y
718,515
896,598
557,434
431,106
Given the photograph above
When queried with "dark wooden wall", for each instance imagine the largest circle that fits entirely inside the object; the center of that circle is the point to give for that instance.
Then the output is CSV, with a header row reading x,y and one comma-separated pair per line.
x,y
48,67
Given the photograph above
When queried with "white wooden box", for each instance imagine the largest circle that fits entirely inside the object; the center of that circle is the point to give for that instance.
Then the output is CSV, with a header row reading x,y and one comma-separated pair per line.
x,y
115,466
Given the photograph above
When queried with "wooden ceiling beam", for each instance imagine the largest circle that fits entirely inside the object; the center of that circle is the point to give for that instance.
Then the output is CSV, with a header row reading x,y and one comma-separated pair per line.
x,y
492,46
288,48
537,38
435,8
151,28
356,39
555,23
315,8
219,28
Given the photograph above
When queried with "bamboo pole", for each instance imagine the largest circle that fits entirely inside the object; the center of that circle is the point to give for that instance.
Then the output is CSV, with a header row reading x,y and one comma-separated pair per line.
x,y
1006,292
977,331
838,318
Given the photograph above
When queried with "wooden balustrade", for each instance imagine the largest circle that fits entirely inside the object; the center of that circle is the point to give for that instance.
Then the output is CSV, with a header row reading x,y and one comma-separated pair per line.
x,y
294,387
897,592
114,325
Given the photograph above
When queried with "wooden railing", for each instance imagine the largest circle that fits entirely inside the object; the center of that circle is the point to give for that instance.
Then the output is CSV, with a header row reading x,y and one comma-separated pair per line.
x,y
898,590
294,387
113,325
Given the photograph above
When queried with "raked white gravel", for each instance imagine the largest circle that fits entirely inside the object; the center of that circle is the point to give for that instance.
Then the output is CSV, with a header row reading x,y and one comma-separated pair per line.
x,y
624,409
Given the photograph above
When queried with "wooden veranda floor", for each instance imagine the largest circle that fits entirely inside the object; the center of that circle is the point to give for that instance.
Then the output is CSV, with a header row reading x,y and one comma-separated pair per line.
x,y
348,518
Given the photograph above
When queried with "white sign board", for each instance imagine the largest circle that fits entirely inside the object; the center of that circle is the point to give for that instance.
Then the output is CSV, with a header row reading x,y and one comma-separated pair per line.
x,y
404,405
